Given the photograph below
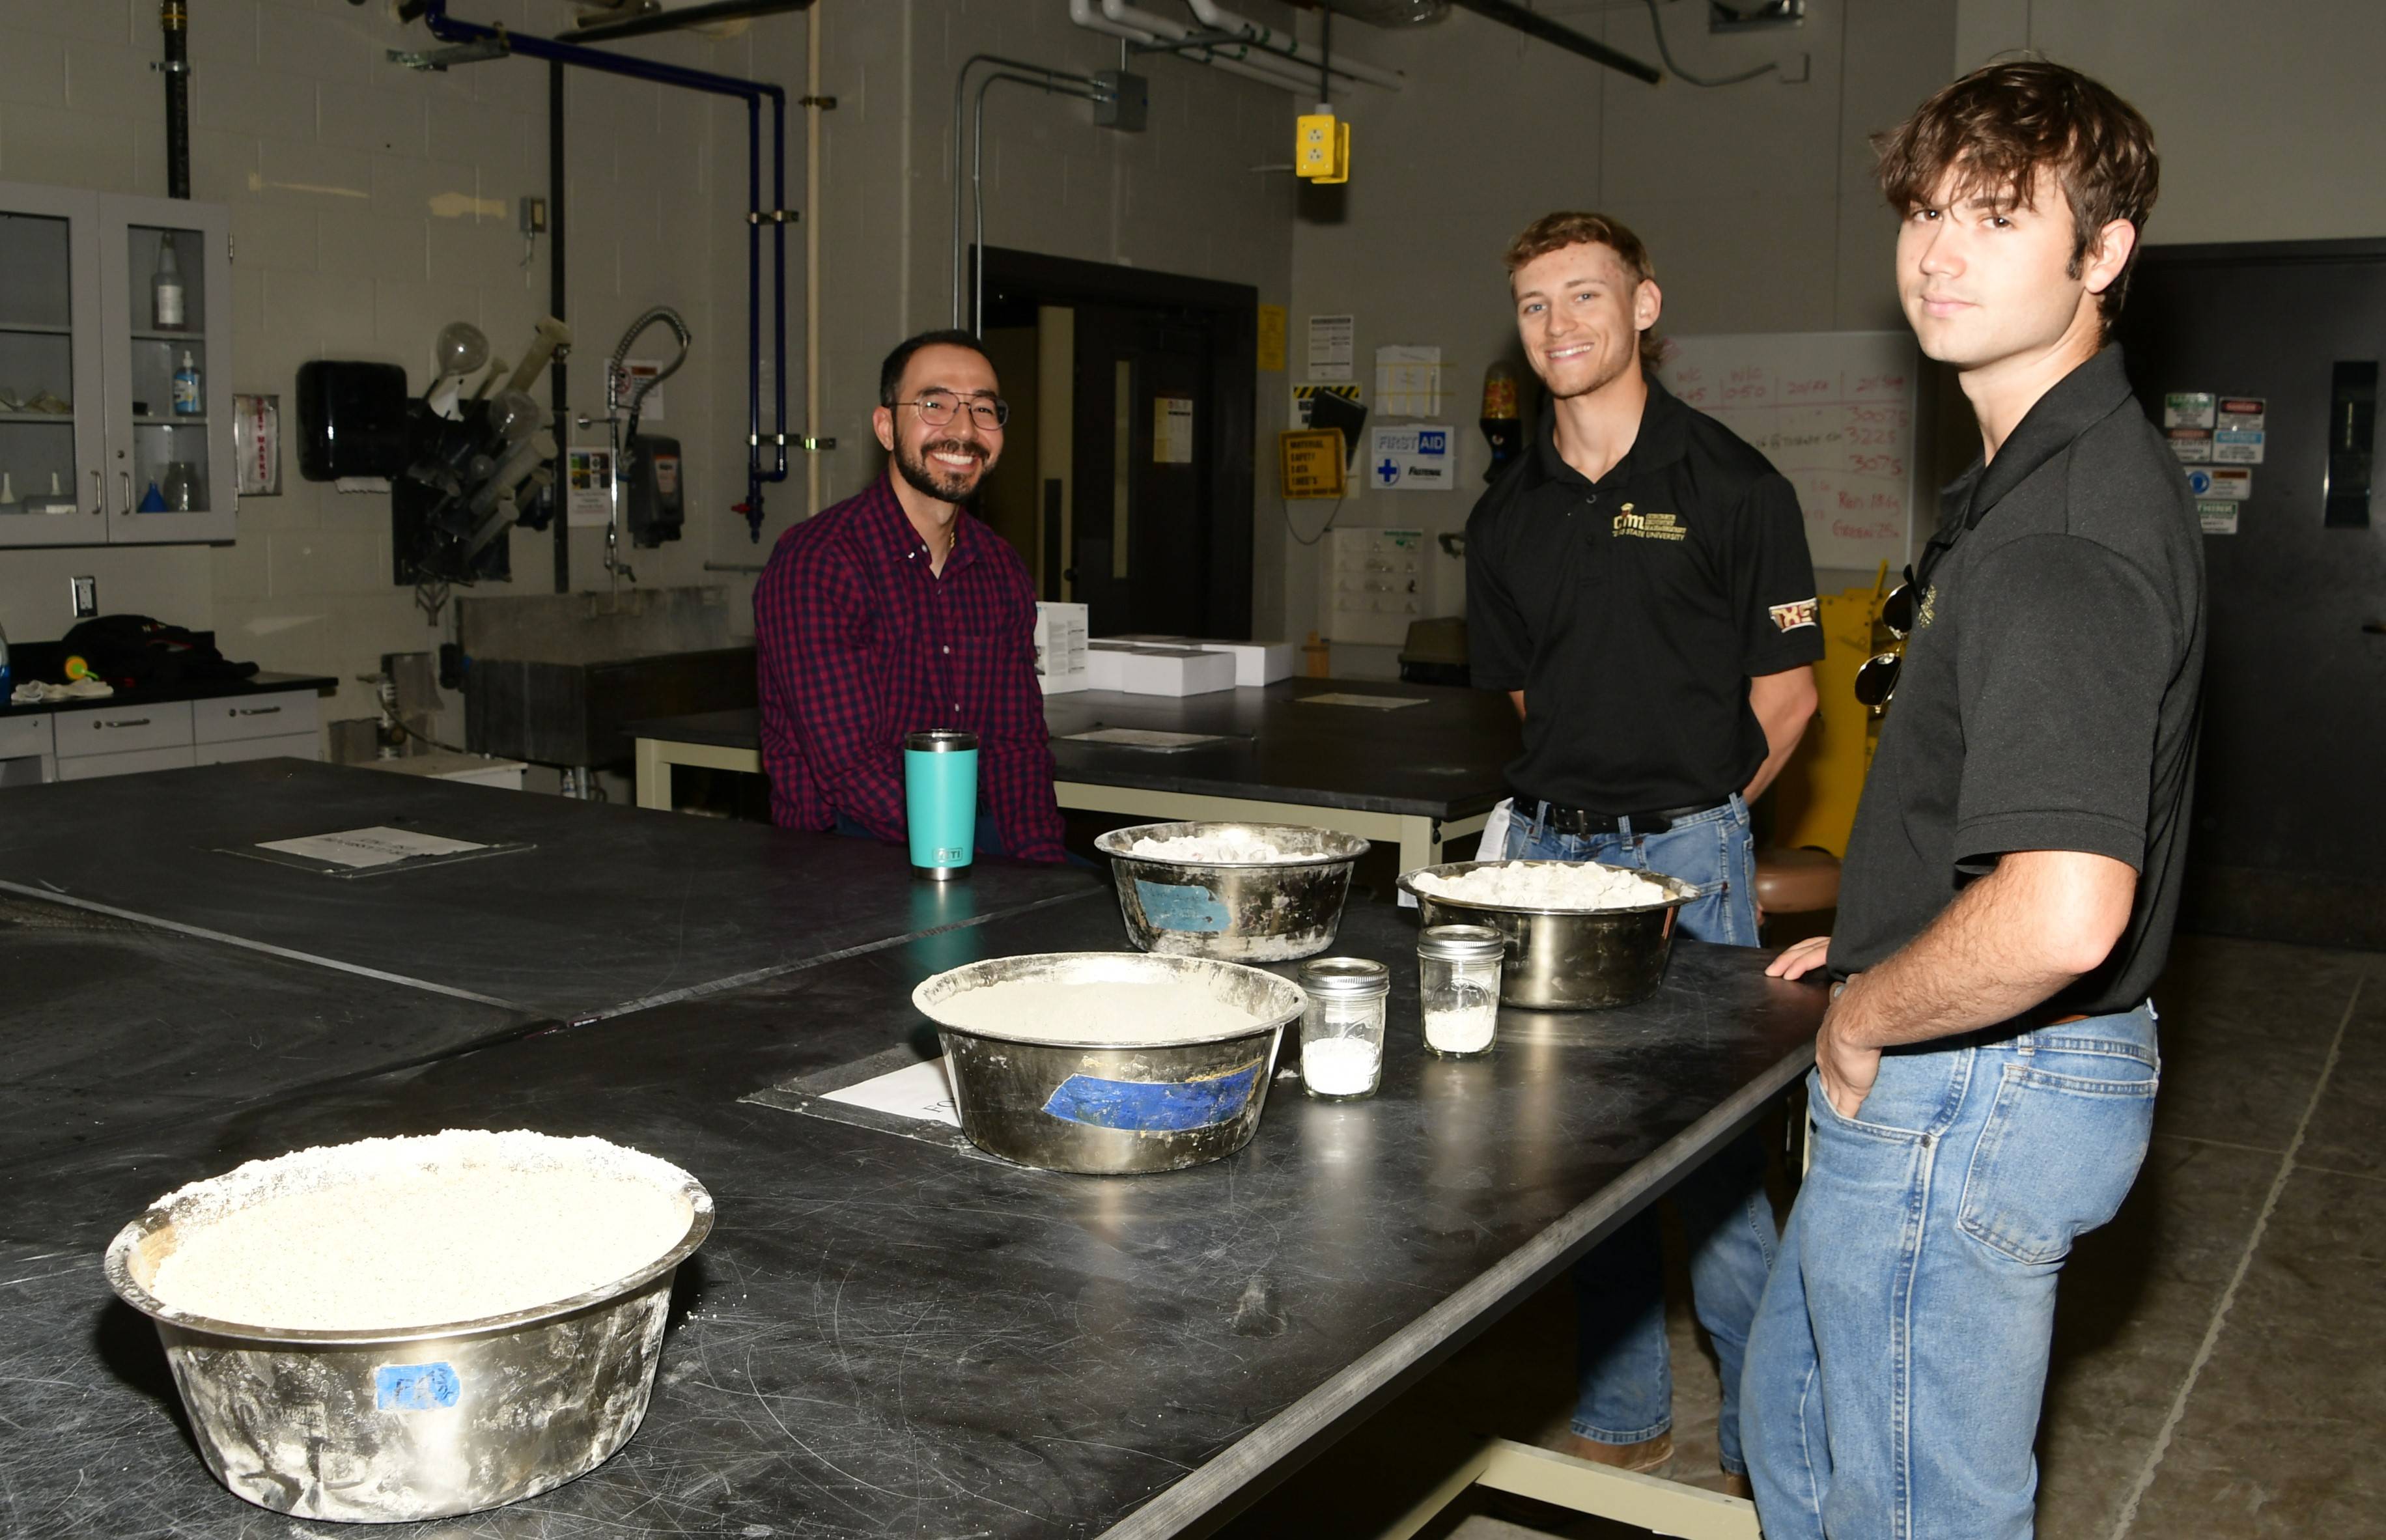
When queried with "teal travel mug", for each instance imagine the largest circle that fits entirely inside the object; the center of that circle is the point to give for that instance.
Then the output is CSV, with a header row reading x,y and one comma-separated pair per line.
x,y
940,801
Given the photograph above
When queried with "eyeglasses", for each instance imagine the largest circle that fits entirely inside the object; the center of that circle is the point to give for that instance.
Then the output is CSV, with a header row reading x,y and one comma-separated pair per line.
x,y
1877,680
936,409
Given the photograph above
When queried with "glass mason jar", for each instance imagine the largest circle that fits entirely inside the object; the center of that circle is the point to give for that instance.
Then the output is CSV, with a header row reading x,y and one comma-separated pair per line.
x,y
1342,1027
1458,988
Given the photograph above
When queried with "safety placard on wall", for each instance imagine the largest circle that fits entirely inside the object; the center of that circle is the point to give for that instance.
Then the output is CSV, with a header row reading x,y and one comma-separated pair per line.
x,y
1313,463
2189,409
1330,339
588,486
2234,482
2218,518
1171,429
1304,397
1412,457
1271,338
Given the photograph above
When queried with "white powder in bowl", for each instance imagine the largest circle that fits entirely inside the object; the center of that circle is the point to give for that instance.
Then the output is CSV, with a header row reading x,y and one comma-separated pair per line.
x,y
1548,885
417,1232
1340,1066
1129,1013
1232,847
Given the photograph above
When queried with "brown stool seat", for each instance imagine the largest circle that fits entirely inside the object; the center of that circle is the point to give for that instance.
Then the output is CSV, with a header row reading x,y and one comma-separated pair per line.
x,y
1797,881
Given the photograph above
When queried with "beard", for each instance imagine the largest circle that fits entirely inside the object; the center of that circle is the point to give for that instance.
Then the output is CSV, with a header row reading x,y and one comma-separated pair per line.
x,y
933,481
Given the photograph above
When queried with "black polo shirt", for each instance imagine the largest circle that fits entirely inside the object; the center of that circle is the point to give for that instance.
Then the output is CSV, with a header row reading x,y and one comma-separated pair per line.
x,y
2048,696
1633,611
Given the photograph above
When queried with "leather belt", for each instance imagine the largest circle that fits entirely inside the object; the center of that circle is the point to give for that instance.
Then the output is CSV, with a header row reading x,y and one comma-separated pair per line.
x,y
1559,818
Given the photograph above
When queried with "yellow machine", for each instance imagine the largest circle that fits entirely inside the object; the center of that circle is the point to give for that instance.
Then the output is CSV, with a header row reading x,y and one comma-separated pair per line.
x,y
1321,147
1815,800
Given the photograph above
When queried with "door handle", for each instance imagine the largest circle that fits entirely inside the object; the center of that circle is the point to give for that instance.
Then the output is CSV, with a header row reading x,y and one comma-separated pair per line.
x,y
2376,628
98,495
126,478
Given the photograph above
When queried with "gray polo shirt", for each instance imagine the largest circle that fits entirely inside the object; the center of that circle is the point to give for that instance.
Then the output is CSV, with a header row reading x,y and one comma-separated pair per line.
x,y
2049,694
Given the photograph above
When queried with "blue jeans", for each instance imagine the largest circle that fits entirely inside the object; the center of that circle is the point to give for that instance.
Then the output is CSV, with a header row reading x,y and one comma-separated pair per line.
x,y
1900,1355
1622,1362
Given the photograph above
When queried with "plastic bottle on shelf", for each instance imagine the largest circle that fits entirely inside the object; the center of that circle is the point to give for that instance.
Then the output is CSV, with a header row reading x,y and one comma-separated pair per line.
x,y
166,292
186,387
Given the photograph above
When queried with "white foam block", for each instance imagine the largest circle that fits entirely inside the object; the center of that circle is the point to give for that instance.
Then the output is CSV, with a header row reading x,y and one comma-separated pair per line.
x,y
1105,663
1176,672
1256,663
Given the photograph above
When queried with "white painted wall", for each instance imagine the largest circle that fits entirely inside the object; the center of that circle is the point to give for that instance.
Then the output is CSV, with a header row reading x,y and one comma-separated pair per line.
x,y
1754,199
2265,115
371,205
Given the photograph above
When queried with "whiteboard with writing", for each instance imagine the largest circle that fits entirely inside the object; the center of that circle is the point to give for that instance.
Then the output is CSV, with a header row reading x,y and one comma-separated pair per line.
x,y
1834,411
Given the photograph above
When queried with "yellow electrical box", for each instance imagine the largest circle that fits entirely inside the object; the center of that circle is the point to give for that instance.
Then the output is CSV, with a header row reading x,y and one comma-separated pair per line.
x,y
1321,149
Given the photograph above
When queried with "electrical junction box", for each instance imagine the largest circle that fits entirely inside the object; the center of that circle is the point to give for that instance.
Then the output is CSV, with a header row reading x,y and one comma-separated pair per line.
x,y
1126,101
1321,149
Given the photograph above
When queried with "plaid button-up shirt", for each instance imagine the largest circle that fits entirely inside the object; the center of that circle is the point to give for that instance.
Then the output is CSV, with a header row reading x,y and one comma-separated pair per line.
x,y
859,643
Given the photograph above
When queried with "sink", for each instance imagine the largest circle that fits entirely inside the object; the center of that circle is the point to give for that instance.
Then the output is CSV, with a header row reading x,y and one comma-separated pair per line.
x,y
550,678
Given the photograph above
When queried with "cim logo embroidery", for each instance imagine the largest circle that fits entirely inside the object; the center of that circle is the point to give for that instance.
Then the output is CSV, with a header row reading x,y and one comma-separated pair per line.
x,y
1649,526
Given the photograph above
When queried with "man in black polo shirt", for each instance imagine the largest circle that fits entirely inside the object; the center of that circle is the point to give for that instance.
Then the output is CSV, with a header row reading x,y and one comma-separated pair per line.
x,y
1639,584
1985,1076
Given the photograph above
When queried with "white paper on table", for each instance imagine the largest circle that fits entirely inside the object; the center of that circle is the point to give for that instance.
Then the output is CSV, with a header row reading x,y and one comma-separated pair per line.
x,y
360,848
1143,737
1373,703
923,1092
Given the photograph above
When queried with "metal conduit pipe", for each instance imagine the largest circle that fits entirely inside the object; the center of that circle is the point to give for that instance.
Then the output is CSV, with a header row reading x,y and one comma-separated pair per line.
x,y
1084,14
1235,57
960,98
813,104
977,174
174,23
1285,45
447,28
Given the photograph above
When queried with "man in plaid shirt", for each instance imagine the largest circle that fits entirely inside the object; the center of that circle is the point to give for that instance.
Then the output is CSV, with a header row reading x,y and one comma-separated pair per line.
x,y
896,611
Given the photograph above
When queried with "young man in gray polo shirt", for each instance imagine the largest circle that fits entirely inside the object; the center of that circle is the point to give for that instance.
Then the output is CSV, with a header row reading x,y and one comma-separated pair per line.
x,y
1985,1075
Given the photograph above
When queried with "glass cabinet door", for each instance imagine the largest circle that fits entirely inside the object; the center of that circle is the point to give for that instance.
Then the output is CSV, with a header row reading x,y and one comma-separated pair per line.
x,y
170,395
51,428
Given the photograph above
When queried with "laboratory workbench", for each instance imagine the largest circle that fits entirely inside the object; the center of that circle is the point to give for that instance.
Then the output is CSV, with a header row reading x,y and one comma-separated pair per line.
x,y
888,1335
1412,775
575,910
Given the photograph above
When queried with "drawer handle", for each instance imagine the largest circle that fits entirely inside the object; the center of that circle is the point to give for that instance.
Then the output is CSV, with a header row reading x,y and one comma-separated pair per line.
x,y
127,721
257,710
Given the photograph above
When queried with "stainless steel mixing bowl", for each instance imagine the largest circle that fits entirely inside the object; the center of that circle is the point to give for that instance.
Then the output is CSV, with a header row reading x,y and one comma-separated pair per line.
x,y
1107,1107
412,1423
1567,959
1241,911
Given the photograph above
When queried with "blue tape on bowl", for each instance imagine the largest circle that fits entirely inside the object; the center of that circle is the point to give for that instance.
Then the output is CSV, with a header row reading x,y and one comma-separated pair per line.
x,y
415,1388
1174,906
1153,1107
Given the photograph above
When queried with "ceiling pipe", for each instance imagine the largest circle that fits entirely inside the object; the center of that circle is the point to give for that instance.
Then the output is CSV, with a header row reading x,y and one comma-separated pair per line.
x,y
174,23
1509,14
1233,59
589,29
1286,45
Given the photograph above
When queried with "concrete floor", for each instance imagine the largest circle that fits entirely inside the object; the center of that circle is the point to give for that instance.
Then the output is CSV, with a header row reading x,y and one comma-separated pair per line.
x,y
2217,1370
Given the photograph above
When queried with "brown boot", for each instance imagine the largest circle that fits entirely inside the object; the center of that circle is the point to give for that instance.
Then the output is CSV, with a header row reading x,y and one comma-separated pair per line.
x,y
1645,1456
1737,1484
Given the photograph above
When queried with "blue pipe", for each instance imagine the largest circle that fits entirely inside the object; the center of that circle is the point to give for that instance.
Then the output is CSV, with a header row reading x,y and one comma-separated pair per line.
x,y
446,29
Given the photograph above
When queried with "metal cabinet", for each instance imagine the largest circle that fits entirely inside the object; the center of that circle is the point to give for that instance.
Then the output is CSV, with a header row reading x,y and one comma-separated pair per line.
x,y
99,442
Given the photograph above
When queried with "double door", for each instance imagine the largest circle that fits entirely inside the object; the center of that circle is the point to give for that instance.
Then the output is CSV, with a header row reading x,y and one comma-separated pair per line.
x,y
115,368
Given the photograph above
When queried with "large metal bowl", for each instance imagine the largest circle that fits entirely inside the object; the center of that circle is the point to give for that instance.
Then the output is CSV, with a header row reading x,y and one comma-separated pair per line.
x,y
1108,1109
412,1423
1240,912
1567,959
